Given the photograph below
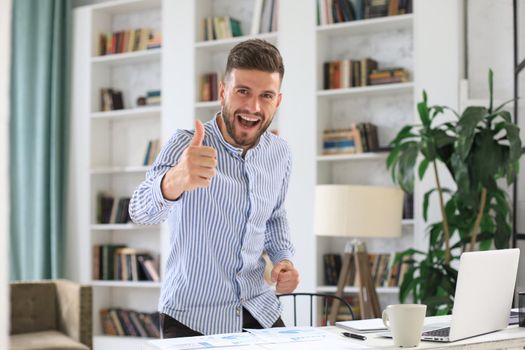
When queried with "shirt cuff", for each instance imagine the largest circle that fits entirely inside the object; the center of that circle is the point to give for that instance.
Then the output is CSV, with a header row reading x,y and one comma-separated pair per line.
x,y
280,256
159,201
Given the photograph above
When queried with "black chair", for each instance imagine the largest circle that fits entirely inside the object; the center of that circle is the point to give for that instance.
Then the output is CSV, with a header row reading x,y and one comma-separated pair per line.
x,y
325,298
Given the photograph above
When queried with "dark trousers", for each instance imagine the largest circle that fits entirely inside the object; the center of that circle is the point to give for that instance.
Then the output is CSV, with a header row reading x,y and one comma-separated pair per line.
x,y
171,328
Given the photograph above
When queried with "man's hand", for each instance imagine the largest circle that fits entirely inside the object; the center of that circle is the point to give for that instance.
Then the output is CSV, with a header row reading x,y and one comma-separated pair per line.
x,y
286,277
195,169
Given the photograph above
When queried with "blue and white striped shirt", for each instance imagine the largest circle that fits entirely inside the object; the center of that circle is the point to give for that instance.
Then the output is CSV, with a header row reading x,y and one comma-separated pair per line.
x,y
218,233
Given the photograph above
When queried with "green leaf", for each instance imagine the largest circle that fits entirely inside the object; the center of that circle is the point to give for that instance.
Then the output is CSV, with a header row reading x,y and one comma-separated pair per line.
x,y
491,89
513,137
422,108
466,129
407,162
487,157
503,104
423,168
404,133
426,201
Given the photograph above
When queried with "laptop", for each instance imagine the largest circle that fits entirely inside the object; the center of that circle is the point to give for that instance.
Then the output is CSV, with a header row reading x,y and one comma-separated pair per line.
x,y
483,297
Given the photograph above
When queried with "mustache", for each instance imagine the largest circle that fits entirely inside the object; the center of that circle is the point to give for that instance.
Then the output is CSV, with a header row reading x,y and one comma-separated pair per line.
x,y
244,111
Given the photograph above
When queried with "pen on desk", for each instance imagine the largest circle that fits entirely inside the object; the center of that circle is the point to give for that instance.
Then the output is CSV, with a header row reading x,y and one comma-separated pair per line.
x,y
353,335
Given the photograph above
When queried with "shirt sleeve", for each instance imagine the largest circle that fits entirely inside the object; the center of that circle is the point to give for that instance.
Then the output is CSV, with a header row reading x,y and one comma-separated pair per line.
x,y
277,242
148,205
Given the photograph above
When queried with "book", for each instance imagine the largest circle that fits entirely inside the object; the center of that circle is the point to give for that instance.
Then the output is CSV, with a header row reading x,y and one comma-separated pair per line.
x,y
256,17
363,326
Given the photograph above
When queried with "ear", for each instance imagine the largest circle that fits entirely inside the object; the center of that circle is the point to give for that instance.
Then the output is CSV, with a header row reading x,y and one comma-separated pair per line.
x,y
279,99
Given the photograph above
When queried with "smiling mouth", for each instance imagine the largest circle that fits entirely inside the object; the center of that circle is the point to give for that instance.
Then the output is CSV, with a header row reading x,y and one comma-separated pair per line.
x,y
248,121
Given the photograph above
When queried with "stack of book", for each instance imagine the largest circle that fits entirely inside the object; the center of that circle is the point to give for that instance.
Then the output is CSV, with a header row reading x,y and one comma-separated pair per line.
x,y
388,76
110,211
220,27
358,139
152,151
128,41
210,86
265,16
153,97
332,268
123,322
337,11
110,99
155,40
347,73
116,262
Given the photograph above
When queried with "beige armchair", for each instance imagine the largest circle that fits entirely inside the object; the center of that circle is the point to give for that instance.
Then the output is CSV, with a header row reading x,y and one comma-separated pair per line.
x,y
49,315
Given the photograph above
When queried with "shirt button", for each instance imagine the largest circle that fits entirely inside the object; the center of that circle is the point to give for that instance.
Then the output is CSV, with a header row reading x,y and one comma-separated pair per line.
x,y
238,311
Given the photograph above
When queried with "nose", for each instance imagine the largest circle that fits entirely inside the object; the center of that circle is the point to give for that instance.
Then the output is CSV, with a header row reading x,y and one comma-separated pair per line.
x,y
253,104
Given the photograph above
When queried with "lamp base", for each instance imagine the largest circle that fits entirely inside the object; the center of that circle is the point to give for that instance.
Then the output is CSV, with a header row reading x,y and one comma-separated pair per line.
x,y
368,300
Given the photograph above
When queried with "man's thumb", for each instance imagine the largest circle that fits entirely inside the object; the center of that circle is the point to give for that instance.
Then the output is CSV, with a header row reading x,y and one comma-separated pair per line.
x,y
198,137
275,272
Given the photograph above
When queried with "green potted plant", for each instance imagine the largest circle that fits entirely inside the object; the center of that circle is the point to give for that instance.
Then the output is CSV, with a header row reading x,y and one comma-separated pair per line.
x,y
478,147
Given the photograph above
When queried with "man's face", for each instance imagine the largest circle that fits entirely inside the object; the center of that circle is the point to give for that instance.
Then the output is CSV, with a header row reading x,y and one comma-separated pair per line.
x,y
249,100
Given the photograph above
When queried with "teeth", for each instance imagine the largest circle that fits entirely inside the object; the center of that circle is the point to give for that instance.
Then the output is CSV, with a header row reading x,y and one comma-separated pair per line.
x,y
248,118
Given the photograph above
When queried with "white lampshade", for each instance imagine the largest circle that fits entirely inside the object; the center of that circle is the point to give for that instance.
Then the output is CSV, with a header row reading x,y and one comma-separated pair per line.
x,y
358,211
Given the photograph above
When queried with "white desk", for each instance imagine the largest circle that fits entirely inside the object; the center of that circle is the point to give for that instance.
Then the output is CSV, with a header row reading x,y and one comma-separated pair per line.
x,y
512,337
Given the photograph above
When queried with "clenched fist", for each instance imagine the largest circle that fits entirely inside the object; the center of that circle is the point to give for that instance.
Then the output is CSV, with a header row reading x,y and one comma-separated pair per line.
x,y
195,168
285,276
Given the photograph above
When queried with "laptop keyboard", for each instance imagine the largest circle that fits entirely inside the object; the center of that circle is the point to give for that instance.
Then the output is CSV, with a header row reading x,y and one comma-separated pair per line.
x,y
441,332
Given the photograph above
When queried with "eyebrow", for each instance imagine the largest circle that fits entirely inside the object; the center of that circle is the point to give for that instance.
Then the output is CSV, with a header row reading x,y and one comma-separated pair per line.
x,y
249,88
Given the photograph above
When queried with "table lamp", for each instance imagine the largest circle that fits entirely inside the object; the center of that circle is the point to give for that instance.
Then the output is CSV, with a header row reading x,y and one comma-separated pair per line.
x,y
358,212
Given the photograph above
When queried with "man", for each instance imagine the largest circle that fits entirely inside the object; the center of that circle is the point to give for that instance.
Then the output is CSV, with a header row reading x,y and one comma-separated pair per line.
x,y
223,188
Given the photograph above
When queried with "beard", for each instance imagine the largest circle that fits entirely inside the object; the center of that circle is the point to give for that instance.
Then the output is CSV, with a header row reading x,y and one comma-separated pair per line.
x,y
240,137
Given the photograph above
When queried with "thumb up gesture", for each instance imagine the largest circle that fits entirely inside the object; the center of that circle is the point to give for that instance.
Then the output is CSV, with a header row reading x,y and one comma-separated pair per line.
x,y
195,169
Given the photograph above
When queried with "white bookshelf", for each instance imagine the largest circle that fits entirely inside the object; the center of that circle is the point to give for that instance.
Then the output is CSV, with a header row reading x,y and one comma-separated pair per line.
x,y
306,110
127,58
110,150
125,284
367,26
388,40
129,113
226,44
365,91
117,170
352,157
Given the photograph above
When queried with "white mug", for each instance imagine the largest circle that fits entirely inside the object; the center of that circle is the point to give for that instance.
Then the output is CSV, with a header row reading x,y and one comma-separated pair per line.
x,y
405,322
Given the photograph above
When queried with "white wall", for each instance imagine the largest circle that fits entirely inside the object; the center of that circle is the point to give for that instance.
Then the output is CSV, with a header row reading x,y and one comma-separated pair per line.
x,y
5,36
438,60
490,45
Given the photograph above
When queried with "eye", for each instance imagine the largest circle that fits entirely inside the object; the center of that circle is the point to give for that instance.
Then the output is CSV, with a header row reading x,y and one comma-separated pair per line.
x,y
242,92
268,96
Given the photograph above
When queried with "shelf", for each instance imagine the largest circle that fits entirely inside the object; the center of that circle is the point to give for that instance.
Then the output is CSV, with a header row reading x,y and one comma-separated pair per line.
x,y
367,26
121,227
139,112
126,6
125,284
222,44
207,104
350,289
120,170
367,90
356,156
127,58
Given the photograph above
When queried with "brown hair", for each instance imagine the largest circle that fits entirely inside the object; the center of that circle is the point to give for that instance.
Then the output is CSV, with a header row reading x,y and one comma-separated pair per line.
x,y
255,54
